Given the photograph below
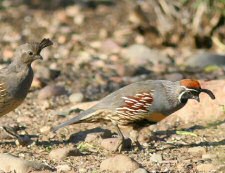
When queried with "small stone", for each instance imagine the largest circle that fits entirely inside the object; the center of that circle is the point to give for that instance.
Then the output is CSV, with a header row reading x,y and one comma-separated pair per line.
x,y
37,83
10,163
109,47
205,59
206,167
61,153
47,73
209,156
174,76
76,97
157,158
119,163
72,10
111,144
94,136
45,129
82,170
140,55
51,91
63,168
197,150
140,170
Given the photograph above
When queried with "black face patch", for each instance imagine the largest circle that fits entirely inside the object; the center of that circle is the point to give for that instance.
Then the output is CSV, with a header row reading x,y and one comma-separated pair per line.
x,y
189,94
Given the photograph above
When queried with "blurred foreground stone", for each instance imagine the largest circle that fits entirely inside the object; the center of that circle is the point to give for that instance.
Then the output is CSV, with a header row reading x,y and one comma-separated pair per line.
x,y
10,163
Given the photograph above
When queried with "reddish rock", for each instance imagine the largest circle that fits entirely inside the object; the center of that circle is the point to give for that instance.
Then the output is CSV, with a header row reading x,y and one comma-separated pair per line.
x,y
207,110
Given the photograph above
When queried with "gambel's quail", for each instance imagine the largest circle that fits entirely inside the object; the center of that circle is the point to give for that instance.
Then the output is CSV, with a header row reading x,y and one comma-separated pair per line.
x,y
150,100
16,78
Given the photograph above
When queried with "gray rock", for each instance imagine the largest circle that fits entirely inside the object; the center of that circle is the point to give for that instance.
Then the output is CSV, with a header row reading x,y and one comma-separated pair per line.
x,y
47,73
140,170
157,158
119,163
205,59
174,76
51,91
139,55
76,97
61,153
10,163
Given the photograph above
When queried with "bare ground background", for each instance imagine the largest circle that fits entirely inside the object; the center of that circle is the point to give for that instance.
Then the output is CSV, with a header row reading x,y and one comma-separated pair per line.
x,y
100,46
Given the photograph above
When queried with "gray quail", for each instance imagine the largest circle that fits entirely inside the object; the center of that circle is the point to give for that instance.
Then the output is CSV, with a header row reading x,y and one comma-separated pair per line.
x,y
150,100
16,78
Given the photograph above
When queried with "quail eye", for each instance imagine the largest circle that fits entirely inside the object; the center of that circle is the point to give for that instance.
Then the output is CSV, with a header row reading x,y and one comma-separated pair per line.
x,y
30,53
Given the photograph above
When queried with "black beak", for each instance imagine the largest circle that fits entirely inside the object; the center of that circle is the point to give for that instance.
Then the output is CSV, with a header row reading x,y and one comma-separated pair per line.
x,y
196,98
210,93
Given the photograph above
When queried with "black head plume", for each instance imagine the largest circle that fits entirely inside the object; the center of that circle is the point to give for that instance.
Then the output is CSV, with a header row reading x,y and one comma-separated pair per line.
x,y
44,43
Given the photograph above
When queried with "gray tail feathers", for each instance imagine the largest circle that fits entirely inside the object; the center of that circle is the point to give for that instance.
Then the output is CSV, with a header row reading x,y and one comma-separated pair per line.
x,y
82,116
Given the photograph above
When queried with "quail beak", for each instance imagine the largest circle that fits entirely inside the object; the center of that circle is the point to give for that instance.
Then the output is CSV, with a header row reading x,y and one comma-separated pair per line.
x,y
39,57
210,93
196,98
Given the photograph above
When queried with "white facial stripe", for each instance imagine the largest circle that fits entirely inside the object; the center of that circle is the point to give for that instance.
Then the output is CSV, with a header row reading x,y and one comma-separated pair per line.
x,y
180,96
189,89
186,89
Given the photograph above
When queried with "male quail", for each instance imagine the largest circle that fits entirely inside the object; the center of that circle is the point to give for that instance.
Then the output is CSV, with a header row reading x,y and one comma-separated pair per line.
x,y
16,78
150,100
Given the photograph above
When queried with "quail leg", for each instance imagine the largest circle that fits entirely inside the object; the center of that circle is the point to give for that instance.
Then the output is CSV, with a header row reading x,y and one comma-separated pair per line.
x,y
121,137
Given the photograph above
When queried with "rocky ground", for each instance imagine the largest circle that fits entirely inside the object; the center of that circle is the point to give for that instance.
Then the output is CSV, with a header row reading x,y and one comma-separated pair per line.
x,y
100,46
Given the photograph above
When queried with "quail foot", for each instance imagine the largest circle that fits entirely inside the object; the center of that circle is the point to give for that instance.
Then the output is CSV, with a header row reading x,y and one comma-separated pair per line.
x,y
150,100
16,78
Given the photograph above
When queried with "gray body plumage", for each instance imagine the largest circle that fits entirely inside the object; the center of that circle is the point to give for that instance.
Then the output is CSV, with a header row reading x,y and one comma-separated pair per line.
x,y
15,82
16,79
164,95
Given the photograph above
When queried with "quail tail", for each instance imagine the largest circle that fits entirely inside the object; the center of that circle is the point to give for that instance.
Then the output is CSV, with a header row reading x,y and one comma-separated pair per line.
x,y
81,117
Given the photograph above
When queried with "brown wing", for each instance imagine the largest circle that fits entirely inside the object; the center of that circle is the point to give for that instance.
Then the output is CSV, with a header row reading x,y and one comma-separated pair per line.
x,y
135,107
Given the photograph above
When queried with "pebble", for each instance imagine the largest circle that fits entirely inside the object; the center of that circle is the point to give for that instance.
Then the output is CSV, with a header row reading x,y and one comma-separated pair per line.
x,y
209,156
37,83
45,129
119,163
204,59
140,170
61,153
51,91
10,163
140,55
63,168
47,73
157,158
111,144
206,167
197,150
174,76
76,98
96,136
109,47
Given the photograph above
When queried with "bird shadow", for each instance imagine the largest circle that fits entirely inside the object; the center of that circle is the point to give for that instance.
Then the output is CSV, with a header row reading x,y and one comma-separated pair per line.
x,y
76,137
168,133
